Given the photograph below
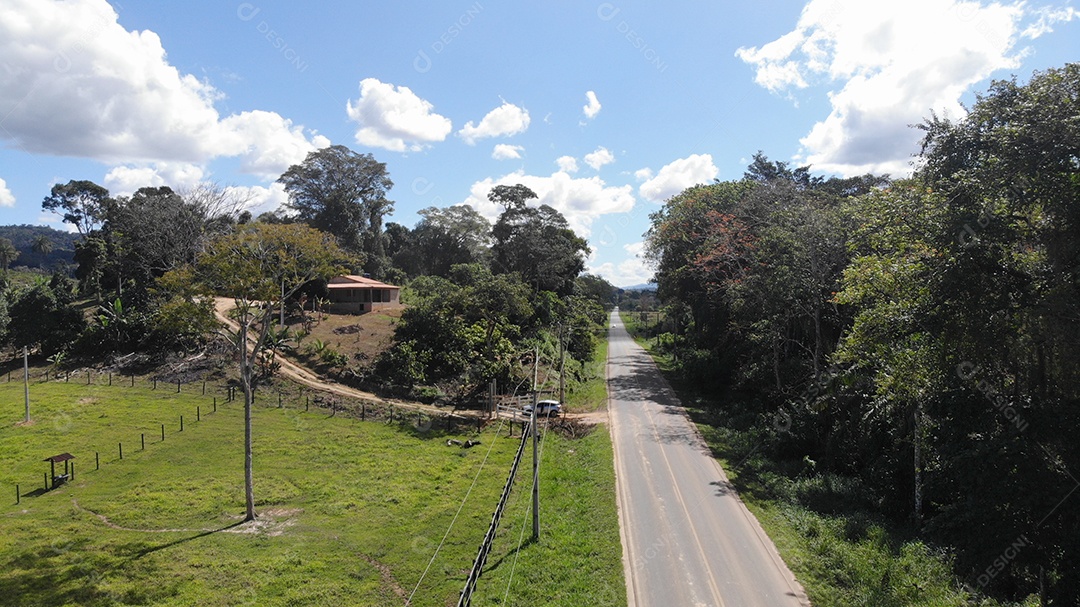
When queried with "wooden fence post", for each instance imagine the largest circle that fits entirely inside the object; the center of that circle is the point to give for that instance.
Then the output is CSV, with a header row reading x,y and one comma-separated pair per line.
x,y
121,446
181,423
97,461
142,440
198,414
162,431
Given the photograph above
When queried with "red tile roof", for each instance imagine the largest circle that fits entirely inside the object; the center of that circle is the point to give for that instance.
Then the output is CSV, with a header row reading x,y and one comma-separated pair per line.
x,y
353,282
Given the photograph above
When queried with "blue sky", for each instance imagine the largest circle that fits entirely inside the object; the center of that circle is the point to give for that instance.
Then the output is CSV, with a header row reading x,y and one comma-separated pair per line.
x,y
604,109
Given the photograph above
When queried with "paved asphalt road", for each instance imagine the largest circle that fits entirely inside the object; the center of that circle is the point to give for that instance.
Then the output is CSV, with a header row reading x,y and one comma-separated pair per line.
x,y
688,539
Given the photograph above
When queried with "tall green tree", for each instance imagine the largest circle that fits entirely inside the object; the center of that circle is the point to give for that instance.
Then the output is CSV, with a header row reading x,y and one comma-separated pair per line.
x,y
42,245
462,331
1007,297
536,242
256,265
83,204
38,319
442,239
343,193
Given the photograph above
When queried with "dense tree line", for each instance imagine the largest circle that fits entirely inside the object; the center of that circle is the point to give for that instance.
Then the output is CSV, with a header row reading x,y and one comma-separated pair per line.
x,y
918,337
482,294
487,296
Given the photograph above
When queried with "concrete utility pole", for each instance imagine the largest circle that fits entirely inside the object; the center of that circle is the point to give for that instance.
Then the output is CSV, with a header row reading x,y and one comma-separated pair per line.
x,y
536,470
562,369
536,459
26,382
281,320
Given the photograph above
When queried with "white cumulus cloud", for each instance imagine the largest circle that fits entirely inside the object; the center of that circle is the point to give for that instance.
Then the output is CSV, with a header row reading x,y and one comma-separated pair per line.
x,y
599,157
580,200
7,199
567,164
592,108
76,83
505,151
123,180
882,73
267,143
633,270
676,176
259,199
394,118
503,121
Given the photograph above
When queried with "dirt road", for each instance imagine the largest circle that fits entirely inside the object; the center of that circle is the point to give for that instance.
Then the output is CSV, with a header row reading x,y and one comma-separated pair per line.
x,y
222,306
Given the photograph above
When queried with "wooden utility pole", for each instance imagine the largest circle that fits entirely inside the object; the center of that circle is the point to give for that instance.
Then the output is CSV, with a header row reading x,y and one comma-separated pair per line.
x,y
26,382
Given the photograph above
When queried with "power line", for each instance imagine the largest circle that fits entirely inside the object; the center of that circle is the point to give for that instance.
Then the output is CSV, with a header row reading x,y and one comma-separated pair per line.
x,y
498,431
521,536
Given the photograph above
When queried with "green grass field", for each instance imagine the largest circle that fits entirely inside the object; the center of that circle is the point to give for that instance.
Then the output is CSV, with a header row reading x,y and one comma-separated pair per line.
x,y
578,558
351,512
591,395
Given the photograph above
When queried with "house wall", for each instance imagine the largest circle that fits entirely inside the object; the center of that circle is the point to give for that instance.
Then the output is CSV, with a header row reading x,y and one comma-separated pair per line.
x,y
362,299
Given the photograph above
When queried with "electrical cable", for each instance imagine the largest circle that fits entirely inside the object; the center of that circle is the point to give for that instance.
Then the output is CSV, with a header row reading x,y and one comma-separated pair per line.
x,y
456,514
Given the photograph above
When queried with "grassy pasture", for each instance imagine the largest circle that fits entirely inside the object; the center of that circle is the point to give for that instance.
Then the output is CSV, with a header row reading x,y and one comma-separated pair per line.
x,y
351,512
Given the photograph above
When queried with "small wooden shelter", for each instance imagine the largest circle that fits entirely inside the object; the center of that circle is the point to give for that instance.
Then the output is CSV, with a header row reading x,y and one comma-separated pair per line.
x,y
69,473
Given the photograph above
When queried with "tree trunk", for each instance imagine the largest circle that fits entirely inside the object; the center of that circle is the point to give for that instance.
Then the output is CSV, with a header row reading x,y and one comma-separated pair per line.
x,y
246,361
917,442
249,483
776,362
817,341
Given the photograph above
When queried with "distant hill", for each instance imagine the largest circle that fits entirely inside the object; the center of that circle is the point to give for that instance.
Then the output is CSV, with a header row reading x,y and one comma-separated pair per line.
x,y
645,286
22,236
